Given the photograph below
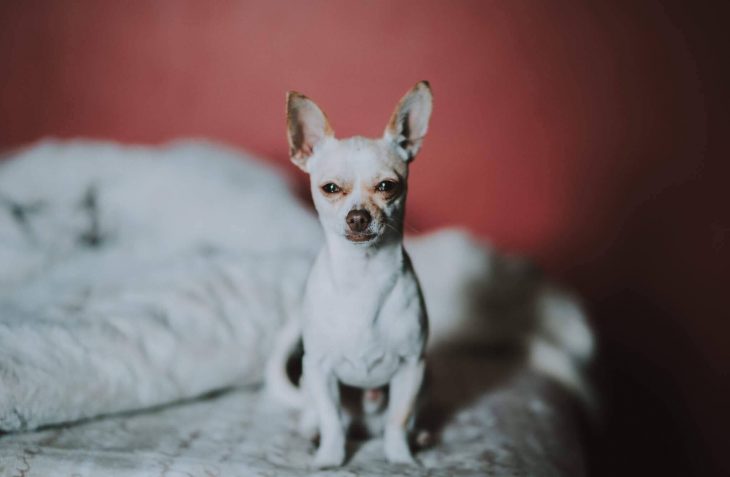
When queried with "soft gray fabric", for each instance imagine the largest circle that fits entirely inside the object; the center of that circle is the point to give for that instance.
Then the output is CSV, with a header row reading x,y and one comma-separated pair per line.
x,y
135,277
504,425
131,277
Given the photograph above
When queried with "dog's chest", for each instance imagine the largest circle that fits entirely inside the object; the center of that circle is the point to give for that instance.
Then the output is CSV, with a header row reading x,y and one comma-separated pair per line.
x,y
365,333
369,356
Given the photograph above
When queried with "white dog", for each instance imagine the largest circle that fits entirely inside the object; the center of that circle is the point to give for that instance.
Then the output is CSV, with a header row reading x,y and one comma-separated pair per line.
x,y
363,320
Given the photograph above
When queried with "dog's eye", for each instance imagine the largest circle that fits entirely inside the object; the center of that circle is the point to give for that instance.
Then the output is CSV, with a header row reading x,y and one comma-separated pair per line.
x,y
331,188
387,186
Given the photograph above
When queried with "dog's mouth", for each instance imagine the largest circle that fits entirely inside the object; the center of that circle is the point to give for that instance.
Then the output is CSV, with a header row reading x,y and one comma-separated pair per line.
x,y
360,237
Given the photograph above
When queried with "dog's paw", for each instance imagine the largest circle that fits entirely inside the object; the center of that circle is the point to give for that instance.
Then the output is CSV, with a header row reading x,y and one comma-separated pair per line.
x,y
399,454
329,457
397,450
404,458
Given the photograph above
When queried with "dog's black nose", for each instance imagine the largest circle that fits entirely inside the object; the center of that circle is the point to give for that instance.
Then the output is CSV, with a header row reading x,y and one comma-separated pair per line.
x,y
358,220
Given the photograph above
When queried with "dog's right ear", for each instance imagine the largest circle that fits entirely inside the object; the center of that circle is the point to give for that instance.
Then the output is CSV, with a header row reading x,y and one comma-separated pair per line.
x,y
307,126
409,122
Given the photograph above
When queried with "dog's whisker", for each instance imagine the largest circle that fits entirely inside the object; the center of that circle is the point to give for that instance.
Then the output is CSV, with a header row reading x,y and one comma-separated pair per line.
x,y
392,227
398,230
412,228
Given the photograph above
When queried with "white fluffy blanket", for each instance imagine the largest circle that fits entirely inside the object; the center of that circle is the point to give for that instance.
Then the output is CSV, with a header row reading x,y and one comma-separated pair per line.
x,y
133,277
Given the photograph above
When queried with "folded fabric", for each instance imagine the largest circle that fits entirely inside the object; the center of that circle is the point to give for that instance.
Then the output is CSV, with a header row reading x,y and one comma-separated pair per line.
x,y
132,277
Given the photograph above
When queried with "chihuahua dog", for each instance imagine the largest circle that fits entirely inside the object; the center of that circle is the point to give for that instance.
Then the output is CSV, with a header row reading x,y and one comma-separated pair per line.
x,y
363,320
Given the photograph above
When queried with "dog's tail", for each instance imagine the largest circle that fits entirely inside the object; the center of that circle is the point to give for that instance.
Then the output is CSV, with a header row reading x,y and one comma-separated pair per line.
x,y
466,284
277,382
563,344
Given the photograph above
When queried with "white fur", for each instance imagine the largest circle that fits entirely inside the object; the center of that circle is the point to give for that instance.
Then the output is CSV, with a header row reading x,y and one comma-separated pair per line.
x,y
363,318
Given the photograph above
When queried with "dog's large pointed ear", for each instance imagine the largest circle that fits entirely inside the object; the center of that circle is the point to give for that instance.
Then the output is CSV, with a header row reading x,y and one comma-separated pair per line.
x,y
409,122
307,126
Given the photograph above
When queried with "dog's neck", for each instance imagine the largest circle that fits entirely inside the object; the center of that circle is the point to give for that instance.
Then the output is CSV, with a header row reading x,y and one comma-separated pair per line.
x,y
349,262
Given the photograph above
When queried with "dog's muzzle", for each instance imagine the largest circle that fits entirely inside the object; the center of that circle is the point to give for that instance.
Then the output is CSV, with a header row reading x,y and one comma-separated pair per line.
x,y
358,222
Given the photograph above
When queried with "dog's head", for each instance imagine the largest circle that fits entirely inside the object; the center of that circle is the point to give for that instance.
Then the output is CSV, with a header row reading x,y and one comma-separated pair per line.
x,y
358,184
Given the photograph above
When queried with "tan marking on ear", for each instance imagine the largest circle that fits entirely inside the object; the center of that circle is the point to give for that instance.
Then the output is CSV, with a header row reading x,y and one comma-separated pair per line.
x,y
301,147
393,122
409,122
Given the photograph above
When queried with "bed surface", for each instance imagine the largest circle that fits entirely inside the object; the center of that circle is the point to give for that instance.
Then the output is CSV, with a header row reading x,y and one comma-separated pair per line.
x,y
521,425
142,290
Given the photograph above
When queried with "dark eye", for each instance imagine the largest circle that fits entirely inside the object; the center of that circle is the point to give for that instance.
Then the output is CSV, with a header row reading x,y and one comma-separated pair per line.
x,y
331,188
387,186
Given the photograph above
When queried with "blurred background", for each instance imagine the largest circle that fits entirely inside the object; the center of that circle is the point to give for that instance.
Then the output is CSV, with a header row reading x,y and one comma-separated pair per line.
x,y
587,135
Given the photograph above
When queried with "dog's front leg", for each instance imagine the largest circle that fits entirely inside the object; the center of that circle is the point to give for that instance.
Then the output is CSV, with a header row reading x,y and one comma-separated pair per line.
x,y
404,387
324,393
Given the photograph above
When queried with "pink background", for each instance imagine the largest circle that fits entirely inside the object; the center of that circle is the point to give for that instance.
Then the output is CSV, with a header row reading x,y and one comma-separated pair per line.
x,y
586,135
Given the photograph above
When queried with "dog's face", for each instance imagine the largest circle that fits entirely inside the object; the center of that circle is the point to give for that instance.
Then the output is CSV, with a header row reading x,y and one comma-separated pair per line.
x,y
359,188
359,185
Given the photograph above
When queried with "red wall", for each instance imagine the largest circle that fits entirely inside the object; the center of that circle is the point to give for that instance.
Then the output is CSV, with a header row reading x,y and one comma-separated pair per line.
x,y
587,135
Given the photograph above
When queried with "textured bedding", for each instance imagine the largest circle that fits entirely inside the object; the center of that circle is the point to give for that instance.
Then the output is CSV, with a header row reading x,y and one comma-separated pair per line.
x,y
135,280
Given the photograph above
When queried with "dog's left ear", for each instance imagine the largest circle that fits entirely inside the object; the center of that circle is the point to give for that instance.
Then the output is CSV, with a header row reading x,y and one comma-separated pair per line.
x,y
307,126
409,122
